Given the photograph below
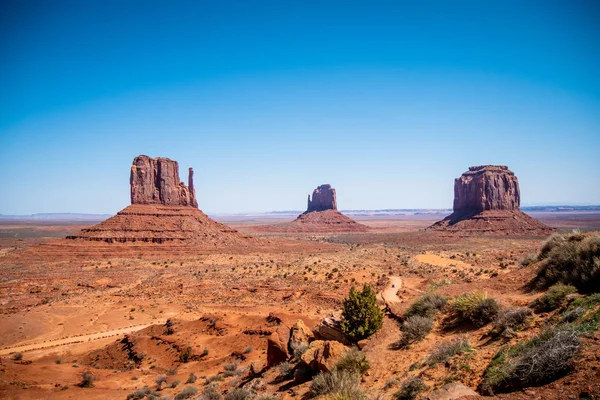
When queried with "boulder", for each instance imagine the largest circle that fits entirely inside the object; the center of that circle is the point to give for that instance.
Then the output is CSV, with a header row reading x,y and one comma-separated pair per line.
x,y
323,198
300,334
331,329
322,355
277,346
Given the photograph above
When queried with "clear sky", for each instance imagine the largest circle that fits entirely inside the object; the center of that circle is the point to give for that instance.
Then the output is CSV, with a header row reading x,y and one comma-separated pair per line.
x,y
386,101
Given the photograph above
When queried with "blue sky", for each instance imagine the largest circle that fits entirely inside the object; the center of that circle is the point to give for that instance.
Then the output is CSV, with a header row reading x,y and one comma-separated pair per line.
x,y
387,101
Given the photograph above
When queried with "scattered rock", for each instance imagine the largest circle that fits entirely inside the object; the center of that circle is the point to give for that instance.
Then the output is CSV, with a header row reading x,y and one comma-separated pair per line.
x,y
277,346
331,329
300,334
322,355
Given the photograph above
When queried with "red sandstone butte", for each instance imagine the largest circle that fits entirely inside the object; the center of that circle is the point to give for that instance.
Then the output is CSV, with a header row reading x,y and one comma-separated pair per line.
x,y
487,200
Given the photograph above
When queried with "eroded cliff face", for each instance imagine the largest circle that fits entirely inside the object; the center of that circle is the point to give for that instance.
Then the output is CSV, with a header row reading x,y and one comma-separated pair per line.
x,y
486,187
323,198
156,181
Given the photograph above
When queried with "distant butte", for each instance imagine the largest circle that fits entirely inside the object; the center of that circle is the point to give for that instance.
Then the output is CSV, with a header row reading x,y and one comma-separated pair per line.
x,y
321,215
487,199
163,210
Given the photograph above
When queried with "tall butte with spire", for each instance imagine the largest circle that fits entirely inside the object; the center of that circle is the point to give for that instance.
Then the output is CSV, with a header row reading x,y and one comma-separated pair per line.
x,y
163,210
487,199
321,215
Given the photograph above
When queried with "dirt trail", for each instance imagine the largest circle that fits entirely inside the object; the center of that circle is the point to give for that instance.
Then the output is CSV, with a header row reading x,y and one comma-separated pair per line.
x,y
75,339
389,295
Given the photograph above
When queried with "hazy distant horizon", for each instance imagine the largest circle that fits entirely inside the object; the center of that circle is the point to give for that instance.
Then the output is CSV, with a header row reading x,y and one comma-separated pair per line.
x,y
388,102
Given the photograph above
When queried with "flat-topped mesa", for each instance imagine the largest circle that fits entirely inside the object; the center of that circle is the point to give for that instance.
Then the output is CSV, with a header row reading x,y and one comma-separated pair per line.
x,y
323,198
486,187
156,181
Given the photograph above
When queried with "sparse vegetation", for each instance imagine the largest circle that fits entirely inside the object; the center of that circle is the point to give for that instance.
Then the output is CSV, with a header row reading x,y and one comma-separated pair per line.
x,y
554,297
334,382
17,356
410,389
144,392
539,360
211,393
361,316
185,355
87,380
239,394
444,351
511,320
299,349
353,361
570,259
427,306
414,329
186,393
475,307
191,379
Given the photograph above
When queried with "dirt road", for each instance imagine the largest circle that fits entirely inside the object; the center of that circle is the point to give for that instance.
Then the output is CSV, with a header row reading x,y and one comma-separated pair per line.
x,y
75,339
389,294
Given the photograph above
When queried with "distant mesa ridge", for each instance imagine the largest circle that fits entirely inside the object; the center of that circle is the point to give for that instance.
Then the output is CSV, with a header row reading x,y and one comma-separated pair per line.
x,y
487,199
321,215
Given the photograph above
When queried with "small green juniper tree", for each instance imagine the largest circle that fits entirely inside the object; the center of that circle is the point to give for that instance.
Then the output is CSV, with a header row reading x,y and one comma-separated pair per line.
x,y
361,317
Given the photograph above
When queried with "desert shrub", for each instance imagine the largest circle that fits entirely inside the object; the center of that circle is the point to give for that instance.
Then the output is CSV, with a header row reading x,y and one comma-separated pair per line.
x,y
511,319
173,384
185,355
87,380
299,349
537,361
552,242
444,351
144,392
211,393
426,306
17,356
169,327
351,393
414,329
554,297
186,393
191,379
353,361
214,378
410,389
285,369
361,316
231,369
572,315
528,260
267,397
336,381
172,371
204,353
248,350
476,307
572,260
239,394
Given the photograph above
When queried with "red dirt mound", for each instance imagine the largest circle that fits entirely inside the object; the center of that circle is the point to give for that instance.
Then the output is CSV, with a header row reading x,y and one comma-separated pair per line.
x,y
316,221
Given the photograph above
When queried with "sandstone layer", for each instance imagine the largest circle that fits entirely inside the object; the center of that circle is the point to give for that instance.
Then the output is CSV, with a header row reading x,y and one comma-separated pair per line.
x,y
487,199
323,198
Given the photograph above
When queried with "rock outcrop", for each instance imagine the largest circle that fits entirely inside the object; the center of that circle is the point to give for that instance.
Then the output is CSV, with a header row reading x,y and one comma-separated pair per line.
x,y
486,187
322,355
323,198
487,200
321,216
163,210
156,181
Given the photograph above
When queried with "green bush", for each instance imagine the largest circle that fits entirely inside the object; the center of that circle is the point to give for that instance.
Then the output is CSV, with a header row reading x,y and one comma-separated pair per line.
x,y
334,382
410,389
426,306
361,316
511,320
554,297
87,380
444,351
476,307
414,329
353,361
540,360
185,355
572,260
